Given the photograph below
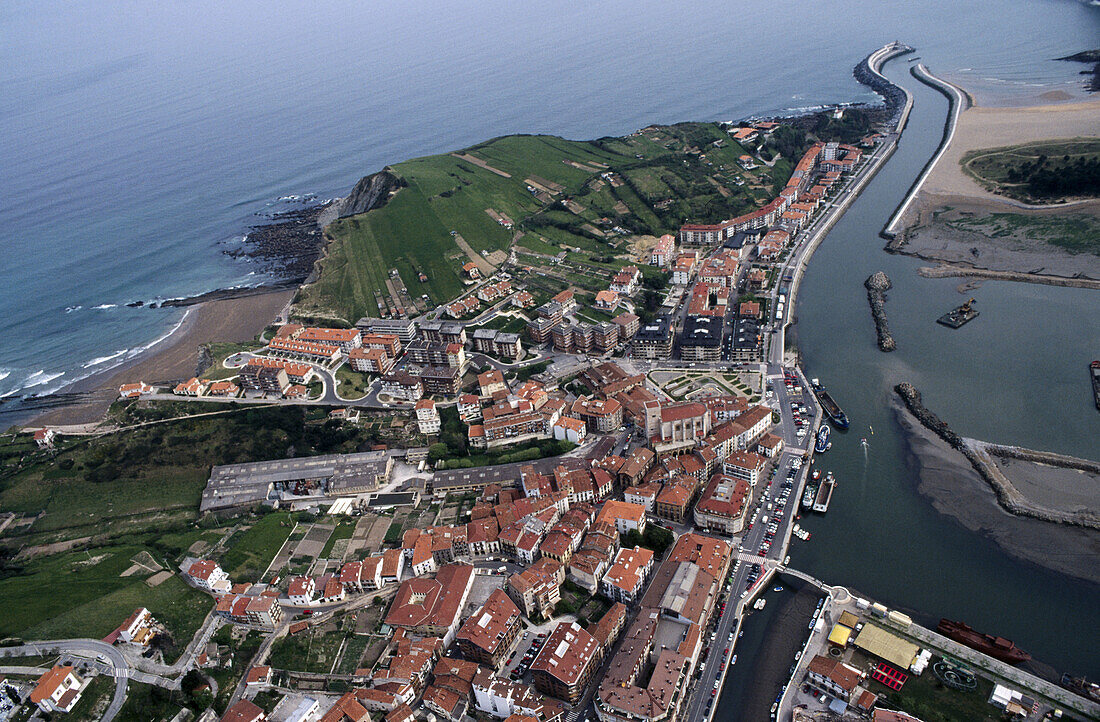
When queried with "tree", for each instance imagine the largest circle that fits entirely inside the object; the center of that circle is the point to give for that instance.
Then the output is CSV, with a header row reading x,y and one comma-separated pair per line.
x,y
437,451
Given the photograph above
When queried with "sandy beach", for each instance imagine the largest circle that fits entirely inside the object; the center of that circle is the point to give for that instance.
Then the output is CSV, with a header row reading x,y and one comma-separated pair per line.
x,y
946,478
953,222
230,320
981,127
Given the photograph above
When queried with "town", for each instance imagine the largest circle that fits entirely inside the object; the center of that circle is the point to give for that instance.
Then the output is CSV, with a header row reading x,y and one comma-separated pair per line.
x,y
648,445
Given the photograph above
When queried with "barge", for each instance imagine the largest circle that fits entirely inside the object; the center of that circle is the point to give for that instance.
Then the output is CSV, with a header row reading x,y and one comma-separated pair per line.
x,y
960,316
832,408
1094,370
825,494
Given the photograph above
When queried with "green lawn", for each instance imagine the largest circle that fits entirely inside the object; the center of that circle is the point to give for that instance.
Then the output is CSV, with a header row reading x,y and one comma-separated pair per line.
x,y
352,384
251,551
927,698
80,594
221,351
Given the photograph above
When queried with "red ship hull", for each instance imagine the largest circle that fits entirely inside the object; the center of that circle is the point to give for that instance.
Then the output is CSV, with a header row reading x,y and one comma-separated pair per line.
x,y
996,647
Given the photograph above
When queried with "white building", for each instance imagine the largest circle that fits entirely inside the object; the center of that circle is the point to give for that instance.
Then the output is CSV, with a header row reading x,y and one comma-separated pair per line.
x,y
427,417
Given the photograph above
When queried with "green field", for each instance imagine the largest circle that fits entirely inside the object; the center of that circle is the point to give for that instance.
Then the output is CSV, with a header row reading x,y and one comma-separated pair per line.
x,y
81,593
1047,171
253,549
662,175
151,477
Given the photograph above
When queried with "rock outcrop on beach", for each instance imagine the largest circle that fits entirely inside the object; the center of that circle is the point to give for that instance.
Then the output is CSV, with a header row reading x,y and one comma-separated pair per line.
x,y
372,191
877,285
1008,496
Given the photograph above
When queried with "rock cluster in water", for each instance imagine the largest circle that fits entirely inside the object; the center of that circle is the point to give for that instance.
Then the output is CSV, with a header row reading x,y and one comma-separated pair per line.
x,y
877,285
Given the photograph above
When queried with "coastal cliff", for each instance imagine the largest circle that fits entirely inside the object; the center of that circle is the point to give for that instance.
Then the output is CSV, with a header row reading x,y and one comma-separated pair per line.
x,y
877,285
1008,496
372,191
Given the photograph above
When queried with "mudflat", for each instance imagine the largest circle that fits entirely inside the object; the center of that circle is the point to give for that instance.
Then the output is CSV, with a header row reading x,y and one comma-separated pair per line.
x,y
948,481
962,224
230,320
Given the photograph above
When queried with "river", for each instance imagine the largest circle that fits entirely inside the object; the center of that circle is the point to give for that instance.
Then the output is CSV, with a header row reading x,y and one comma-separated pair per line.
x,y
1016,375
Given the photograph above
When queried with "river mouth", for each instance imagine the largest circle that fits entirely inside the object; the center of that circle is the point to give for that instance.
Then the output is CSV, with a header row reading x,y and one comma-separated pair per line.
x,y
910,526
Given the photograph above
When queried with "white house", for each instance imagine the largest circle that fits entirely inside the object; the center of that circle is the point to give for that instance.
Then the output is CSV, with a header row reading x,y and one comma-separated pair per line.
x,y
206,574
301,591
427,417
58,690
567,429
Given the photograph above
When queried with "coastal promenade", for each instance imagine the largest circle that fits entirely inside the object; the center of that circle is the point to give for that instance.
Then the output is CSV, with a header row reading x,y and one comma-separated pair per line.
x,y
959,101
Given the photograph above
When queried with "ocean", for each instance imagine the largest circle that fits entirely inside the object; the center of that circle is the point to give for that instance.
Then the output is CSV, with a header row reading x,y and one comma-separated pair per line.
x,y
141,141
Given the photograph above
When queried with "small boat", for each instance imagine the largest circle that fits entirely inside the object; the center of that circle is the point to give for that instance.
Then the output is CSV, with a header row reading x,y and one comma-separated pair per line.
x,y
863,440
816,475
777,588
733,660
760,603
822,439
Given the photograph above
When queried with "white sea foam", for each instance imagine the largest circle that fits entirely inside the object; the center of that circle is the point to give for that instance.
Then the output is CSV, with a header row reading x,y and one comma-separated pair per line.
x,y
70,309
39,378
4,375
104,359
104,306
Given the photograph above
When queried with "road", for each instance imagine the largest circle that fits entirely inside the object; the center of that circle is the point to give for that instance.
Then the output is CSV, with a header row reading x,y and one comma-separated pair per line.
x,y
91,649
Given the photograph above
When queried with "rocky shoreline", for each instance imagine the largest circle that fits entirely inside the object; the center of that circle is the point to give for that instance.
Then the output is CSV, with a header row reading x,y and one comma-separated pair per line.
x,y
1009,498
877,284
288,246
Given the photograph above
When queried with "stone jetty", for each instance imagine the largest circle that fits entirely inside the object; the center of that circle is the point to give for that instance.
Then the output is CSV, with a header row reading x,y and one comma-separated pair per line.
x,y
877,285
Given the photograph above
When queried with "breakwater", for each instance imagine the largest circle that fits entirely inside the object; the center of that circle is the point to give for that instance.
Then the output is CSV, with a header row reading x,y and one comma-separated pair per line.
x,y
951,270
868,73
1008,496
877,285
958,101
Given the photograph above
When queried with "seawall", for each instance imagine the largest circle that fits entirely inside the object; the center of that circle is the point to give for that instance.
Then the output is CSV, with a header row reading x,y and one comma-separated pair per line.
x,y
958,101
872,76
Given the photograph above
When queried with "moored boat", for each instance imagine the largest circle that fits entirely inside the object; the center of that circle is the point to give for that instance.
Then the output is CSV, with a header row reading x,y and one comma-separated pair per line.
x,y
822,444
832,408
996,647
1094,368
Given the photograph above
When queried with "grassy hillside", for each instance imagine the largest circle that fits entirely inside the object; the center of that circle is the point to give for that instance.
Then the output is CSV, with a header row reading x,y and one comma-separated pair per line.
x,y
552,190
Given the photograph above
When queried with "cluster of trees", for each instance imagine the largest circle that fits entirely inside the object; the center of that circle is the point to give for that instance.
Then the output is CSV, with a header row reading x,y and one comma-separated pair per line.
x,y
1045,178
656,538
